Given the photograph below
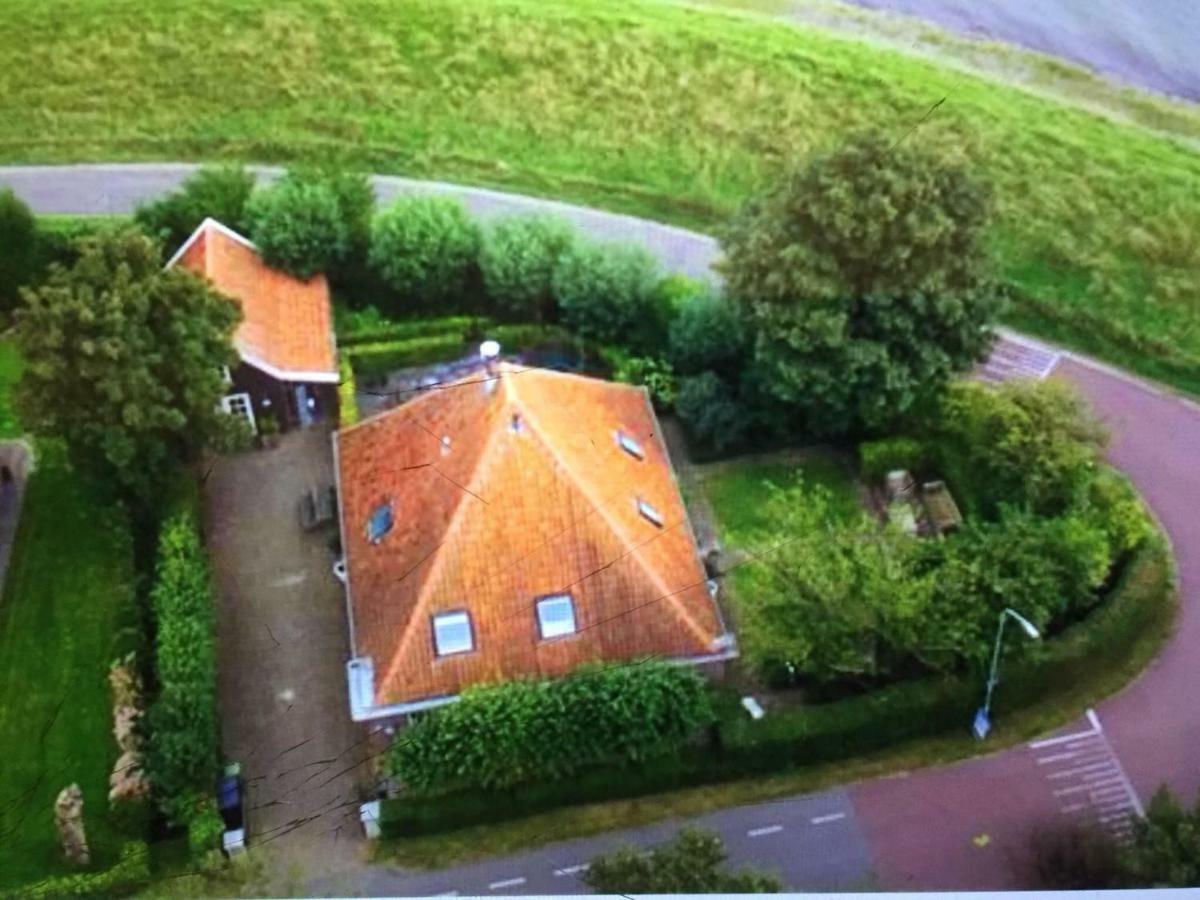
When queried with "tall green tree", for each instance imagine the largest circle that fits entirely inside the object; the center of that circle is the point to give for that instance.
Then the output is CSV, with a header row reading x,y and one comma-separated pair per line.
x,y
867,279
19,250
517,259
219,192
123,361
425,248
298,226
693,863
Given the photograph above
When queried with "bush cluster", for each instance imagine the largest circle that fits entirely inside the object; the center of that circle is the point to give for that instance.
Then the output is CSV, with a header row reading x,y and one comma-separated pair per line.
x,y
849,605
550,730
426,250
182,745
220,193
18,248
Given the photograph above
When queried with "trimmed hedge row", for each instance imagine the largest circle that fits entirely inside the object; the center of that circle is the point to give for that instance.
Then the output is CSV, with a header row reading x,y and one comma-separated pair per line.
x,y
351,334
1141,603
347,391
423,349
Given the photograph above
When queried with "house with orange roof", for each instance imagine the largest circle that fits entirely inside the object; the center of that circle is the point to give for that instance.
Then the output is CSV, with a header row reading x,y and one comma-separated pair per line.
x,y
516,523
288,368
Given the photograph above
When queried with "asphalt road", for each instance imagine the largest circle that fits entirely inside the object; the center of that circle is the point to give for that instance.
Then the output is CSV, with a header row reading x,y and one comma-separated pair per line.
x,y
964,826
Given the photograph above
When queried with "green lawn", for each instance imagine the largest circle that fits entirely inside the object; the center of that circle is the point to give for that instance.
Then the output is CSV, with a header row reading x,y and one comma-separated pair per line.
x,y
740,489
69,592
666,110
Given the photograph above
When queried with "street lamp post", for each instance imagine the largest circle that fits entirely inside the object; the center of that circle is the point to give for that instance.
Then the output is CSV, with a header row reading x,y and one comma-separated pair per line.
x,y
983,723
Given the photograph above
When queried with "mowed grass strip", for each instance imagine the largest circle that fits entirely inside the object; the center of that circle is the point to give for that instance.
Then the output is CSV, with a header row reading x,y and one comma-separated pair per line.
x,y
669,111
68,592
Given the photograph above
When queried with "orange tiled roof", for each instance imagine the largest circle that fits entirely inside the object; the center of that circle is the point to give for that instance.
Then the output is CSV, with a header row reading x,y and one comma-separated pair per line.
x,y
492,512
287,325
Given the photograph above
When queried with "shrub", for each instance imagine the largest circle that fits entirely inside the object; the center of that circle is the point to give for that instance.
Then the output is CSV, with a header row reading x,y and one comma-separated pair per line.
x,y
181,751
517,260
707,335
549,730
298,226
217,192
1074,857
606,293
18,248
131,872
425,248
711,412
653,374
386,356
693,863
1166,845
204,828
1032,444
888,454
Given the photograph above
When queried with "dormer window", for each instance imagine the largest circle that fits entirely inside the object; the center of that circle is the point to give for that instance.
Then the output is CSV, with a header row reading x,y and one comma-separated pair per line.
x,y
380,522
556,616
649,513
630,446
452,633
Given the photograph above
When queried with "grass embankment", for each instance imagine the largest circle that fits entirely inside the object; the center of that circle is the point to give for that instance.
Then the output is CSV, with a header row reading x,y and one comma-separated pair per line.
x,y
67,597
668,111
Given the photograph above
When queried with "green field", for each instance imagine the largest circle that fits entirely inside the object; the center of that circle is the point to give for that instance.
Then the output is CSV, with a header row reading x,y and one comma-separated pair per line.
x,y
68,594
671,111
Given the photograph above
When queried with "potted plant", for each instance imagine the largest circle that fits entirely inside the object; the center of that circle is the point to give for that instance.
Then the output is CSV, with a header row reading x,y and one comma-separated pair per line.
x,y
268,431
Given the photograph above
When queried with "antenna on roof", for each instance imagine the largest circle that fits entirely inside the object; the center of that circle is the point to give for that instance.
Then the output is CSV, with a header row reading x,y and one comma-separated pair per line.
x,y
489,352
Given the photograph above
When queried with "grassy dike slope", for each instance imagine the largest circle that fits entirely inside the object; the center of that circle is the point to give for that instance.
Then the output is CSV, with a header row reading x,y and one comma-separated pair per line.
x,y
669,111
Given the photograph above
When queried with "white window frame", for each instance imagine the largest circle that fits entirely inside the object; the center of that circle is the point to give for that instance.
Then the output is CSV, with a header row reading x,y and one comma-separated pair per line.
x,y
630,445
452,617
228,402
548,633
649,513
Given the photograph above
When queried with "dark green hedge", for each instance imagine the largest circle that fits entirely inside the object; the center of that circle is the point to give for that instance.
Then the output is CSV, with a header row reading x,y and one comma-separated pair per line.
x,y
1141,603
522,732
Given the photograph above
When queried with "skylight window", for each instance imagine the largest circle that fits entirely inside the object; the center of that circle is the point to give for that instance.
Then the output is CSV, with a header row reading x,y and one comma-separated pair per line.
x,y
649,512
380,522
630,446
452,633
556,616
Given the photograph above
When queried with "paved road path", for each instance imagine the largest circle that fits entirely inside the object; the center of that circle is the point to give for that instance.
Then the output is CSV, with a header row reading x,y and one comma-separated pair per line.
x,y
959,826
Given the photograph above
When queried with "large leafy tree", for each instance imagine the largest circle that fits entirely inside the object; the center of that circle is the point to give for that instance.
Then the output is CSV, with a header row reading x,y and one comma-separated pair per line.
x,y
518,258
123,361
298,226
425,248
217,192
693,863
866,275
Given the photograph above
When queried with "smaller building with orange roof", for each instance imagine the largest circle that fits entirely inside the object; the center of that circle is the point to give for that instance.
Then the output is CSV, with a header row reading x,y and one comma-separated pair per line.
x,y
516,523
288,367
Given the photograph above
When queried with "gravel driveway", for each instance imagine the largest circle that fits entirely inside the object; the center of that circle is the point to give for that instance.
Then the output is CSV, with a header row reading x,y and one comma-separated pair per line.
x,y
282,644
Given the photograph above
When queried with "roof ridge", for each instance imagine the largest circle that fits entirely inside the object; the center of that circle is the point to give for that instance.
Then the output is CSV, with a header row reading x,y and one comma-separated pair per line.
x,y
631,547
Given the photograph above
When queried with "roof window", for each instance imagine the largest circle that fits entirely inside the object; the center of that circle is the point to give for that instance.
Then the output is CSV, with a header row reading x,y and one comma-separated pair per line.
x,y
452,633
630,446
649,512
380,522
556,616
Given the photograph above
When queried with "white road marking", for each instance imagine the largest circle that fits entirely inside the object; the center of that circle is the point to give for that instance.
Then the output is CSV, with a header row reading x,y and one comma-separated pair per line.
x,y
766,829
1073,807
1096,776
1078,755
507,883
832,817
447,894
1078,770
573,870
1063,739
1075,789
1095,720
